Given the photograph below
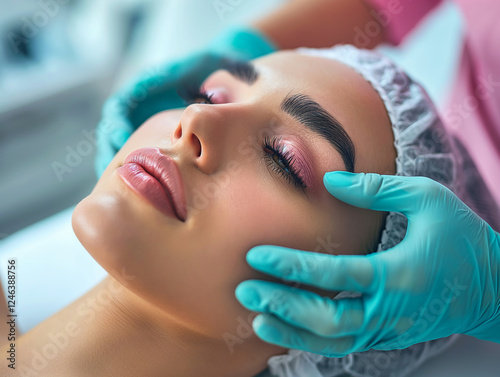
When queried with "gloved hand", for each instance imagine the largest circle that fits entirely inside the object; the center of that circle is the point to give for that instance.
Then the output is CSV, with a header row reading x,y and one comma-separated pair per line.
x,y
156,89
443,278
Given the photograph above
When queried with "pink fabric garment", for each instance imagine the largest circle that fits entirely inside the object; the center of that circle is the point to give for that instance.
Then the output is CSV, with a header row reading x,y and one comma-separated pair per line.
x,y
473,110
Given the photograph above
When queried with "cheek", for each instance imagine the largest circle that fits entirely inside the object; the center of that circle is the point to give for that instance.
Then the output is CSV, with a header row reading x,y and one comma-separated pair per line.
x,y
265,214
262,213
123,232
248,211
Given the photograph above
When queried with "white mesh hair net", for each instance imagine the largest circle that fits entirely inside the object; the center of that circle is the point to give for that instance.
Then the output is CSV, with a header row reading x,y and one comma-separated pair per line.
x,y
423,149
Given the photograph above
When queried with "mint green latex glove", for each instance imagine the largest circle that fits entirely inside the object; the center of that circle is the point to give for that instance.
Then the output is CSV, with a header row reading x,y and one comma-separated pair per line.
x,y
156,89
442,279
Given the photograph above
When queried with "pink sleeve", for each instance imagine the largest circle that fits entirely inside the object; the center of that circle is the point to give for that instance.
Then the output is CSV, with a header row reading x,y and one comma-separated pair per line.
x,y
399,17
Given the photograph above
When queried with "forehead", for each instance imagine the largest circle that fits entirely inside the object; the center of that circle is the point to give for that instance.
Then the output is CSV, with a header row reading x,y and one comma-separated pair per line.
x,y
344,93
336,86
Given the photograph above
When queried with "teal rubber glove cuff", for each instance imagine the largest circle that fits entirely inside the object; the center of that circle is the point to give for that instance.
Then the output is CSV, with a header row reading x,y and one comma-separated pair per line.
x,y
442,279
155,90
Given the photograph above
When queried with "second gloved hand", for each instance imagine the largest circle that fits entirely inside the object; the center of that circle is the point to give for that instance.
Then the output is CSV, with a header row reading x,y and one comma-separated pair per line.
x,y
442,279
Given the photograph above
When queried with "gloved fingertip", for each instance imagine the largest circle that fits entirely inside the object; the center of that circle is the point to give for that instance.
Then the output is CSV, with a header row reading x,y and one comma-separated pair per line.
x,y
339,179
247,295
257,256
265,331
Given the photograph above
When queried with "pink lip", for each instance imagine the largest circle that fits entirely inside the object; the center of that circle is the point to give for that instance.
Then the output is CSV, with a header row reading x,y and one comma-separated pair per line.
x,y
156,177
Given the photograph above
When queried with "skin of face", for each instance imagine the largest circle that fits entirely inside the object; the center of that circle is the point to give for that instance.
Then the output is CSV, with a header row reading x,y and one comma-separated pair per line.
x,y
189,270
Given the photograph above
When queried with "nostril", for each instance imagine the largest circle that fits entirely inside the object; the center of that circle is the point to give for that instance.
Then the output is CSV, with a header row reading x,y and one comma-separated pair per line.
x,y
196,145
178,132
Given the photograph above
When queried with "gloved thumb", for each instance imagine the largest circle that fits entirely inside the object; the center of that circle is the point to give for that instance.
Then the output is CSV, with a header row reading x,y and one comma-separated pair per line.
x,y
378,192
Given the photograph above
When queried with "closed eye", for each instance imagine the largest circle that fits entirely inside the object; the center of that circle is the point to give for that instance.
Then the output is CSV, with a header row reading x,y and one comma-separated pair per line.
x,y
192,95
281,161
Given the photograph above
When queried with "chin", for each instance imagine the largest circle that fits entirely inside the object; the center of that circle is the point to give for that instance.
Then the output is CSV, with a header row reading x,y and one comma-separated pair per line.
x,y
108,225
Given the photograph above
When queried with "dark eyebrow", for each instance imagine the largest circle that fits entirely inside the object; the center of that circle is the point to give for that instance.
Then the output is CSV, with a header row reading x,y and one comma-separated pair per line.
x,y
312,115
242,70
304,109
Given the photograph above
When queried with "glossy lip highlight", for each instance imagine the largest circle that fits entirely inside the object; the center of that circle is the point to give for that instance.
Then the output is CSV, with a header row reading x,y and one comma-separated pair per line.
x,y
164,169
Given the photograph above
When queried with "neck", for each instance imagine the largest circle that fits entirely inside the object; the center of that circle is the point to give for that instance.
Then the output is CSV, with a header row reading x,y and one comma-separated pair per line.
x,y
112,332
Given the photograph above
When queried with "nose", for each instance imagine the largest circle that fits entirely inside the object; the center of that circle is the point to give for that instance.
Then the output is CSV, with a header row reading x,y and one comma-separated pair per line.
x,y
207,133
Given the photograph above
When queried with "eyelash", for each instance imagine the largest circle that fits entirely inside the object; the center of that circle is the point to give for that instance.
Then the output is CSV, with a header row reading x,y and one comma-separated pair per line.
x,y
191,95
272,146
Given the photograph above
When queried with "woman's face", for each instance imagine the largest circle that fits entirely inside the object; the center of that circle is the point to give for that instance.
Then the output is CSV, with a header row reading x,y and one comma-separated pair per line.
x,y
251,173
